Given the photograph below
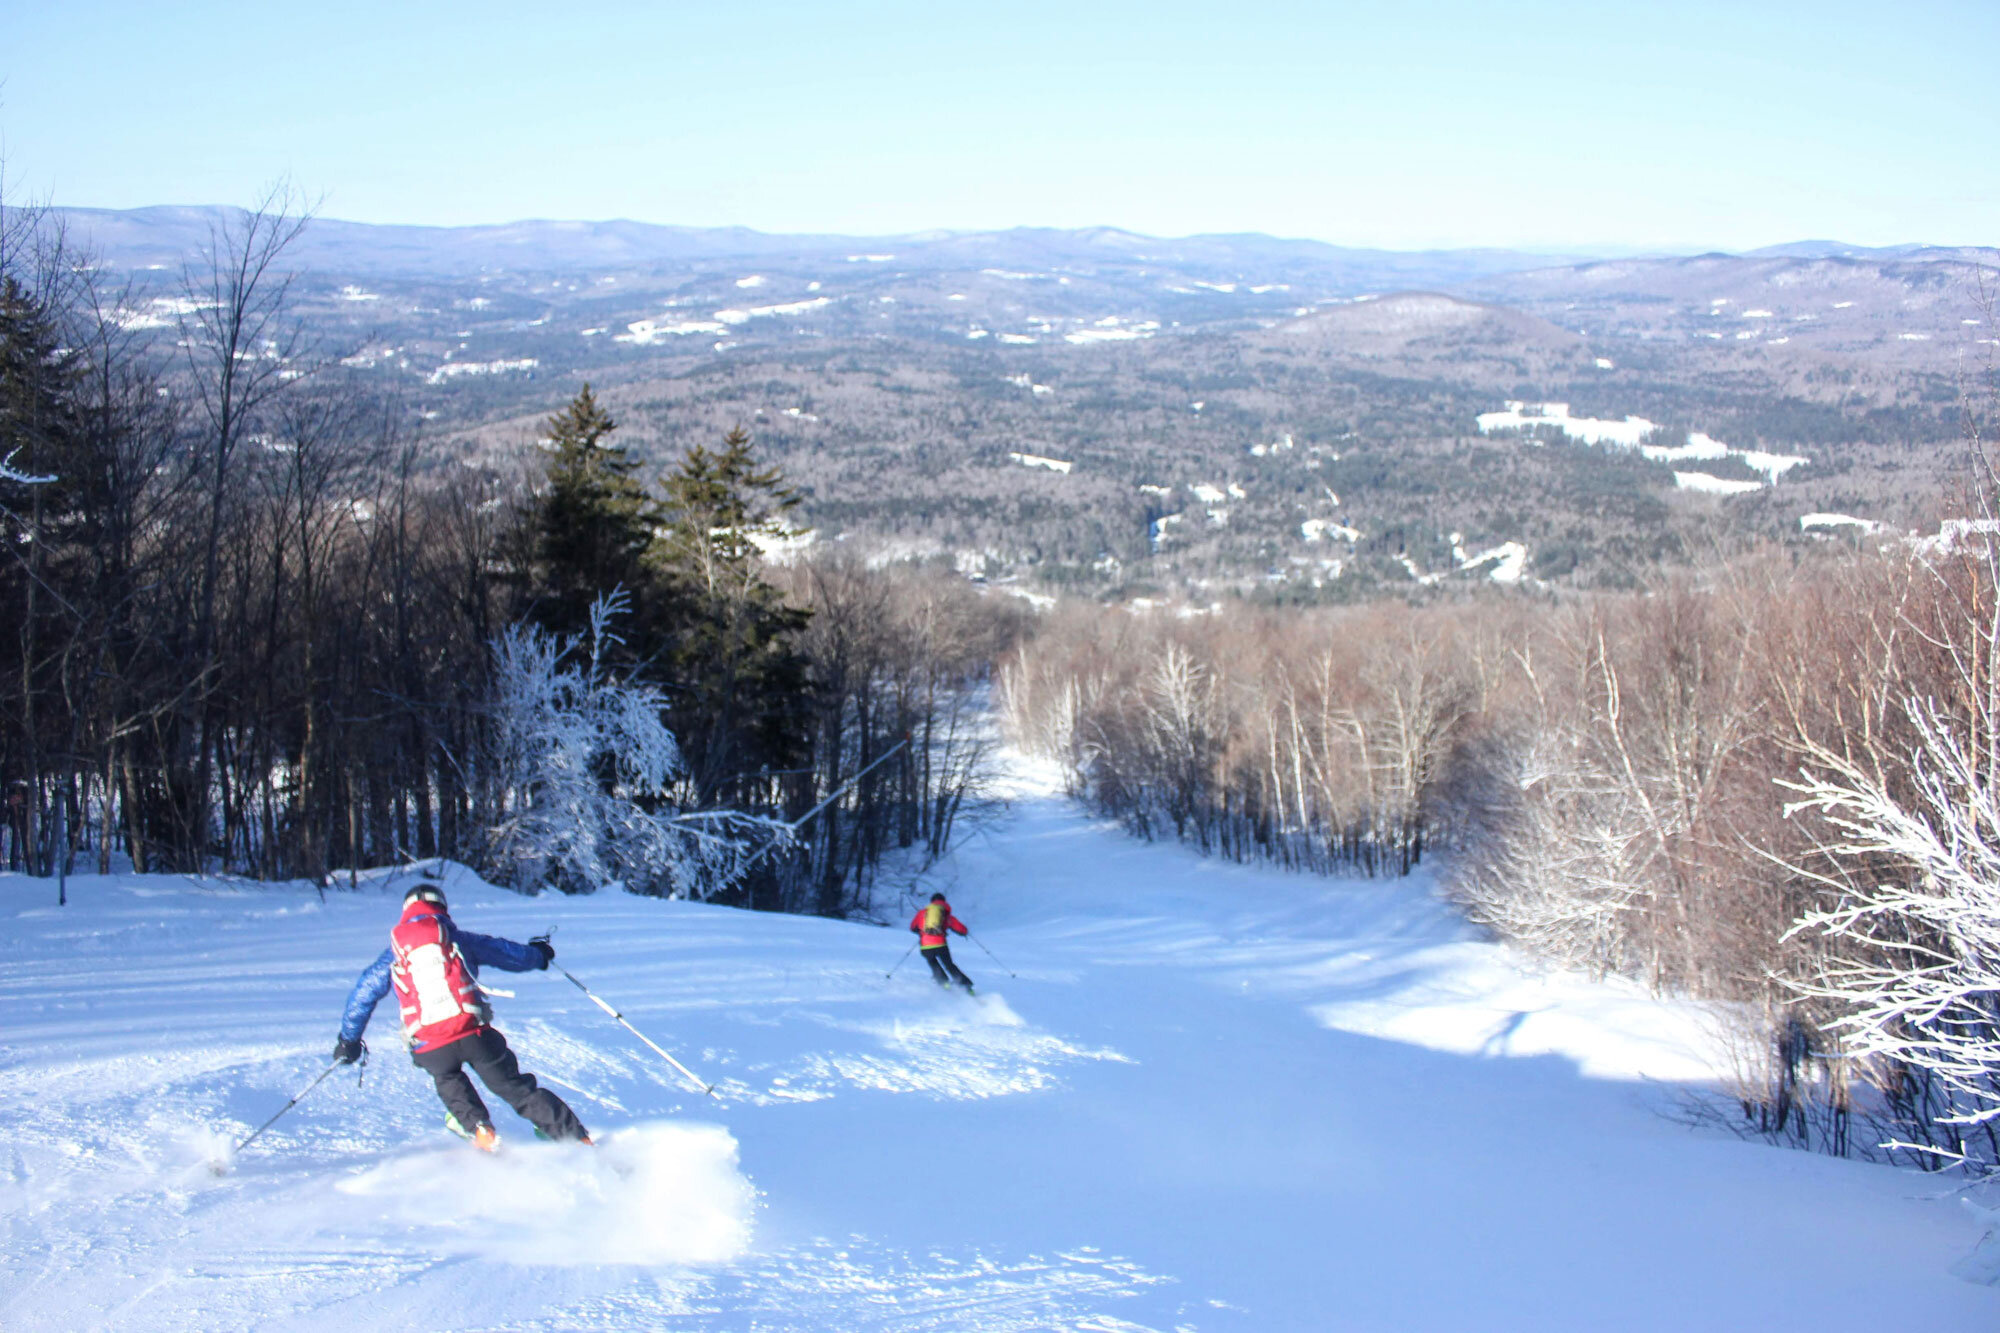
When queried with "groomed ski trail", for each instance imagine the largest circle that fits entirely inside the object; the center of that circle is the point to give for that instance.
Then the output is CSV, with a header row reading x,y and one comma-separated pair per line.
x,y
1215,1098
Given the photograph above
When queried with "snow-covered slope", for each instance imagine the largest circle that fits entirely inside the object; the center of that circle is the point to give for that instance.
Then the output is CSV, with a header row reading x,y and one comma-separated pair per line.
x,y
1214,1098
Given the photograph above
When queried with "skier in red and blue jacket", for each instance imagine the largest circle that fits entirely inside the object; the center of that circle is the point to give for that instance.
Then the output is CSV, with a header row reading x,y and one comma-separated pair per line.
x,y
433,967
929,926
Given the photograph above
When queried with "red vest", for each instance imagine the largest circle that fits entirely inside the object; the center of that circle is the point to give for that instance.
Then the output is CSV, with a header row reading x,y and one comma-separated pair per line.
x,y
435,988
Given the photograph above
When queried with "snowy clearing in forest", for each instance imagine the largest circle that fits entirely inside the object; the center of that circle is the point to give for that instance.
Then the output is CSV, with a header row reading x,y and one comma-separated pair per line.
x,y
1632,432
452,370
1114,329
162,312
1509,560
648,331
1207,1097
768,311
1517,415
1713,485
1814,522
1319,529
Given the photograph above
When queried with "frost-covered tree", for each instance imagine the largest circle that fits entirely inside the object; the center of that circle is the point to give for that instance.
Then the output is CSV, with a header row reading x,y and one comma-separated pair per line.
x,y
1906,831
584,764
1913,967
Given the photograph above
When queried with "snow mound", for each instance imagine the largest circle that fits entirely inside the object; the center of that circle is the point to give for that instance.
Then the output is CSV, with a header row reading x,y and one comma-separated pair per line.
x,y
1981,1266
657,1193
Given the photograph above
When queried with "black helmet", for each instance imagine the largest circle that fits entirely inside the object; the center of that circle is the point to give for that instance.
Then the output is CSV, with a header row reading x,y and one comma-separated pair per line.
x,y
426,892
937,897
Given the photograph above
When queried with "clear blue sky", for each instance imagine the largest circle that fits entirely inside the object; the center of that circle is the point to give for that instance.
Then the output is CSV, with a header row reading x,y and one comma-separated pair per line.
x,y
1536,123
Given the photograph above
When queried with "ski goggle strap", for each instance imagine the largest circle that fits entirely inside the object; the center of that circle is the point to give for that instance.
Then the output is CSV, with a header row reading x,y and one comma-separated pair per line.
x,y
425,893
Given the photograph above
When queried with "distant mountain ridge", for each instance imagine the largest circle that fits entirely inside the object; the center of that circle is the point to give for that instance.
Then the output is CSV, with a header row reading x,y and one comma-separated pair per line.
x,y
162,235
1841,250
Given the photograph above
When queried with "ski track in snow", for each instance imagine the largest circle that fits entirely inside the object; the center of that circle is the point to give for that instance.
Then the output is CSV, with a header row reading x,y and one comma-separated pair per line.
x,y
1214,1098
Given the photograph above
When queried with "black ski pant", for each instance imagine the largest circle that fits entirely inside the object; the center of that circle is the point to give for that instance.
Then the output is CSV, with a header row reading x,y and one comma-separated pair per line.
x,y
486,1053
943,969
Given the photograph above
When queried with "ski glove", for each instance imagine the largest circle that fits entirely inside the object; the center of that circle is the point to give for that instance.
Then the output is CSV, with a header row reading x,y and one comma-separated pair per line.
x,y
346,1052
540,944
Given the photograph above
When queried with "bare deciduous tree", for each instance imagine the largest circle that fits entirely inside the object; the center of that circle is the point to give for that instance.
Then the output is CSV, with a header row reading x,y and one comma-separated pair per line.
x,y
239,343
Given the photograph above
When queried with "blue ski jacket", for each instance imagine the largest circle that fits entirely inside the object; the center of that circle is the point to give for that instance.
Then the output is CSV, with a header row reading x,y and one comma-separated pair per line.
x,y
478,950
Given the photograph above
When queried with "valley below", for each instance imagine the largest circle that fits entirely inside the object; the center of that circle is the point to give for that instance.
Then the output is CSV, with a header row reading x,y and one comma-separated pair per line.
x,y
1127,416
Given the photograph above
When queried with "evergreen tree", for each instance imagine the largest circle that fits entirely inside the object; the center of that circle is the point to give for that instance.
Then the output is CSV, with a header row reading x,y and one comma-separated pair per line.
x,y
44,521
591,526
741,711
38,416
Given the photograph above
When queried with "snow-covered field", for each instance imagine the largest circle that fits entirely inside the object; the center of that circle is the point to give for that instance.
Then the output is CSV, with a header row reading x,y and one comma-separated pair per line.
x,y
1633,431
452,370
1213,1098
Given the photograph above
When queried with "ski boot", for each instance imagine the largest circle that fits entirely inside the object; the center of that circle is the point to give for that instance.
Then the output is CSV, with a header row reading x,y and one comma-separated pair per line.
x,y
483,1137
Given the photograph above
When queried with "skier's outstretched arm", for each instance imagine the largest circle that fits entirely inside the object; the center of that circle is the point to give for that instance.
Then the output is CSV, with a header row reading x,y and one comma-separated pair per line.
x,y
368,991
492,951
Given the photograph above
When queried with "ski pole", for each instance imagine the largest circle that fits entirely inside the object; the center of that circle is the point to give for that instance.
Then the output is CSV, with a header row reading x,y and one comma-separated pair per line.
x,y
657,1049
990,954
286,1107
900,961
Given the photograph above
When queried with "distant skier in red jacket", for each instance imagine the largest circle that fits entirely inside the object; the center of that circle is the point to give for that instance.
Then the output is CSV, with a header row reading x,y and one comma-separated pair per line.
x,y
929,926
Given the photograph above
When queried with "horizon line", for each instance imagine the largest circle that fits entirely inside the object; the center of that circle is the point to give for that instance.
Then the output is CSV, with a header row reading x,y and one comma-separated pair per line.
x,y
1593,250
